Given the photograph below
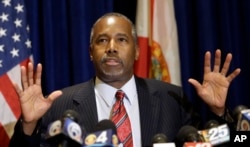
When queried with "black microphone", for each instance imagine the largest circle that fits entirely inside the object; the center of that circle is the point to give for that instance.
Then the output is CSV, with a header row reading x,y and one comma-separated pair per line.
x,y
237,111
211,124
105,124
71,114
66,131
105,134
188,134
159,138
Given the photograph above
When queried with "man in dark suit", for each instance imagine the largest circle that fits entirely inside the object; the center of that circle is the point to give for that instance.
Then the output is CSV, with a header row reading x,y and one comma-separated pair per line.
x,y
152,106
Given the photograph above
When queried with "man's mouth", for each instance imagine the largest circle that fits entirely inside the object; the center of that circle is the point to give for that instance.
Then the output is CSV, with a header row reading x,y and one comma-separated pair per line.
x,y
111,61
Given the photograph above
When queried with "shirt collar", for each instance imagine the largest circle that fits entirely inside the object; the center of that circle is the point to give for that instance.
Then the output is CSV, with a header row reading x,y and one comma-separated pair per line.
x,y
107,92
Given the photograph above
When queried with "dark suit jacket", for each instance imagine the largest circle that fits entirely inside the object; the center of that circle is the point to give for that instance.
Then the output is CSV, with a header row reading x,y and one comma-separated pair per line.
x,y
162,108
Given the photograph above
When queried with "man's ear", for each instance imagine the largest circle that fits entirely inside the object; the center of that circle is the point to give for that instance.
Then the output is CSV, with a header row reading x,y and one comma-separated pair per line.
x,y
137,53
90,53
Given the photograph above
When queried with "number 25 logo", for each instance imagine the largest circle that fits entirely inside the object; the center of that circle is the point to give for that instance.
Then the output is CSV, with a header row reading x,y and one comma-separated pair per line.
x,y
218,132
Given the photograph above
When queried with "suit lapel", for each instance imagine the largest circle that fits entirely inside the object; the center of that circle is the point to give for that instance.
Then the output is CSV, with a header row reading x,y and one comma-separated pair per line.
x,y
149,107
85,103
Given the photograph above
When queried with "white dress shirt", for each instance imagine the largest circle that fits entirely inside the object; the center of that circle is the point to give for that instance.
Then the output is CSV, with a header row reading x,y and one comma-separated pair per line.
x,y
105,99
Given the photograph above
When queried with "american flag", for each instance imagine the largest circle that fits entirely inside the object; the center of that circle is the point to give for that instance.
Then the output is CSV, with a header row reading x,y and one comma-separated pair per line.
x,y
15,51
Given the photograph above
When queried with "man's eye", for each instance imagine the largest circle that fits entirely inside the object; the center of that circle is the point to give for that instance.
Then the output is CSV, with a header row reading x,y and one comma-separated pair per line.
x,y
102,40
122,40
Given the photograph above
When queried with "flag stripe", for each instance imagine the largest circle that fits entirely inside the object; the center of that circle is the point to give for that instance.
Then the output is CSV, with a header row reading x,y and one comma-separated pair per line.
x,y
10,95
8,115
15,73
141,67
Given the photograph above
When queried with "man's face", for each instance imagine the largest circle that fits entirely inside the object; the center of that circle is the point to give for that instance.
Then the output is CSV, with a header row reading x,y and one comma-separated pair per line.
x,y
113,49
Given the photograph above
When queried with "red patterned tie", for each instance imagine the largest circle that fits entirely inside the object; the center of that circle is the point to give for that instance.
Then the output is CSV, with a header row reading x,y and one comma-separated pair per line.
x,y
121,120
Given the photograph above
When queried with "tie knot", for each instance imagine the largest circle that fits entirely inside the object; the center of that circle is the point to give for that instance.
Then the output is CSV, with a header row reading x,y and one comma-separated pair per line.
x,y
119,95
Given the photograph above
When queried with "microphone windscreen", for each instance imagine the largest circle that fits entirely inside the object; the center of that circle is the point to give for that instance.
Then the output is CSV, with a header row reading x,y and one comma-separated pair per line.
x,y
71,114
159,138
188,134
237,111
104,125
185,130
211,124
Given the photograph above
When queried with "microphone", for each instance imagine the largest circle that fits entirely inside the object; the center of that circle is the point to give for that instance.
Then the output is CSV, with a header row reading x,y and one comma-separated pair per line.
x,y
211,124
244,120
237,111
161,140
188,134
105,134
65,132
105,124
241,113
215,134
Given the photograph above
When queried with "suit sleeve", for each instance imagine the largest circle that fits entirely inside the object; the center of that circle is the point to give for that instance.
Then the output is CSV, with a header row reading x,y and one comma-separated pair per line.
x,y
20,139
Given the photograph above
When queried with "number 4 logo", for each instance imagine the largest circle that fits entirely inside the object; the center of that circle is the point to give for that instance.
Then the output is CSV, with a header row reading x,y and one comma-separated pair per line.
x,y
102,138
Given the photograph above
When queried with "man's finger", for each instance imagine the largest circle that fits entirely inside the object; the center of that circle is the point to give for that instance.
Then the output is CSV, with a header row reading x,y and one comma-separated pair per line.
x,y
30,74
38,74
